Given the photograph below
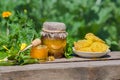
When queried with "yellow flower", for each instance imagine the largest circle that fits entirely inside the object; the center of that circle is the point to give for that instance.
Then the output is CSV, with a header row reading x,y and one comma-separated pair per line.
x,y
6,14
5,47
23,45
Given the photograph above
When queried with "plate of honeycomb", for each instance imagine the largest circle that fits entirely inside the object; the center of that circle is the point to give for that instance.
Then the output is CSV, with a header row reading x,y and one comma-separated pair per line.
x,y
91,46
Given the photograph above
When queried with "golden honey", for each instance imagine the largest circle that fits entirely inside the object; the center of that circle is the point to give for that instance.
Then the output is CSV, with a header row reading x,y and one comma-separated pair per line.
x,y
39,52
56,46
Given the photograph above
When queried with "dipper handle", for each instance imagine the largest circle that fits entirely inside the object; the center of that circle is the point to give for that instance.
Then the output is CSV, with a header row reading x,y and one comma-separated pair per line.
x,y
36,42
33,43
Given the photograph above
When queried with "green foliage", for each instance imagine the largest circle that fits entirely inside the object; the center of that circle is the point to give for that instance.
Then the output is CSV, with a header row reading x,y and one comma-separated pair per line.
x,y
15,30
69,51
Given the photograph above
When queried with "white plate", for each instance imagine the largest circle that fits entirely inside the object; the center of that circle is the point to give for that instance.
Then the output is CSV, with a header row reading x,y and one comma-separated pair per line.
x,y
90,54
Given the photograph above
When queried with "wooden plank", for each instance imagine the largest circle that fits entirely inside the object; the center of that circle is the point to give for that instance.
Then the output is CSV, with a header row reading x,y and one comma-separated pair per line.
x,y
111,56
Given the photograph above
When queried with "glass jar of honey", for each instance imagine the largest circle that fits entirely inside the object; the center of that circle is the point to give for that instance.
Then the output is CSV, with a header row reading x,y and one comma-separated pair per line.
x,y
53,35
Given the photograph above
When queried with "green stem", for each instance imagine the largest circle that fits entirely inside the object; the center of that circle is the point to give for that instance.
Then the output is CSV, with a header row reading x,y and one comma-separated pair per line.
x,y
7,29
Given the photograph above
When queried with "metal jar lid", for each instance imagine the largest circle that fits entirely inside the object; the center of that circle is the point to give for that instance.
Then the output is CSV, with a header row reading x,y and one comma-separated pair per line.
x,y
54,30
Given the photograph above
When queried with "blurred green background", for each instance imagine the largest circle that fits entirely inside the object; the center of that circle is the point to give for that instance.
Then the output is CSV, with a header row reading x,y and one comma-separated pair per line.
x,y
101,17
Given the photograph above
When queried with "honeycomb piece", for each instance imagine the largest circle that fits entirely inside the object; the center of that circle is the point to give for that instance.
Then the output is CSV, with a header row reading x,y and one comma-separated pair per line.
x,y
99,47
51,58
91,36
82,44
85,49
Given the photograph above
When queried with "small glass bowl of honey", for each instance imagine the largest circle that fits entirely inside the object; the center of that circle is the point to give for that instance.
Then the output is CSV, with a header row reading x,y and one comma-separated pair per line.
x,y
39,52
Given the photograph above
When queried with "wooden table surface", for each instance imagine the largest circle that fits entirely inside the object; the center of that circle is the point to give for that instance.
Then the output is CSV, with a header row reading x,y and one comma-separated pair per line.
x,y
115,55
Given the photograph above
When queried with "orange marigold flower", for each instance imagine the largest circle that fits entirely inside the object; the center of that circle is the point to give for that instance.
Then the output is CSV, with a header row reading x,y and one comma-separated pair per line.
x,y
6,14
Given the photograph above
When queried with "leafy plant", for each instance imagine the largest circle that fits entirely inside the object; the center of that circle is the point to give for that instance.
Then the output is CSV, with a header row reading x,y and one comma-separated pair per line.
x,y
69,51
16,29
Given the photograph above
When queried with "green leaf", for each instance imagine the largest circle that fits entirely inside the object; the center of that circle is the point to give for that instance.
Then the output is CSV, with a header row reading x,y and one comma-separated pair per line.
x,y
7,63
104,14
3,55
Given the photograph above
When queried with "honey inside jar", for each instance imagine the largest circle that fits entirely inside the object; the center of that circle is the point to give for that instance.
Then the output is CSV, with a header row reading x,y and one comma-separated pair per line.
x,y
56,46
39,52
